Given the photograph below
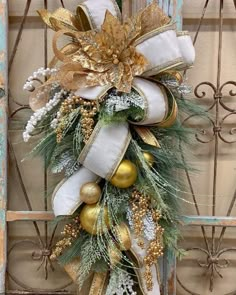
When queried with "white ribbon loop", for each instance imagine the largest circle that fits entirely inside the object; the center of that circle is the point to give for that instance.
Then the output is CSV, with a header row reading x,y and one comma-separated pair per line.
x,y
94,11
105,149
156,103
186,47
161,49
66,196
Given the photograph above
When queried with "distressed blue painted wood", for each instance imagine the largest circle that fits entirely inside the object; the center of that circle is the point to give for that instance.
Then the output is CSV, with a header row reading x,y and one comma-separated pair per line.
x,y
3,140
220,221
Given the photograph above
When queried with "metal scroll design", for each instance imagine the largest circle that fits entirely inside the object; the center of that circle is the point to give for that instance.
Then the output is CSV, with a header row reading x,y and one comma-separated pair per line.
x,y
214,263
45,239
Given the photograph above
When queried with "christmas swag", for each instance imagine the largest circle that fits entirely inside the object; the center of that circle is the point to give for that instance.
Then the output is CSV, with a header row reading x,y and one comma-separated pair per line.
x,y
109,115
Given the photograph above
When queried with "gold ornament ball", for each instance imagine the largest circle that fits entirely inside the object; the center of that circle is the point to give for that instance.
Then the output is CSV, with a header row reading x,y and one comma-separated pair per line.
x,y
125,175
149,158
90,193
89,219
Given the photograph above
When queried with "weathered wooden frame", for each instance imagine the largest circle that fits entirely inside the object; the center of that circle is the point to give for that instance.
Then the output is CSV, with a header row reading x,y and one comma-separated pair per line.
x,y
3,141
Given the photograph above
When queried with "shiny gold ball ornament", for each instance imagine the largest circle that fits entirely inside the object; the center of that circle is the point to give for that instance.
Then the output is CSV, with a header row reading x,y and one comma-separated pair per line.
x,y
149,158
89,217
90,193
125,175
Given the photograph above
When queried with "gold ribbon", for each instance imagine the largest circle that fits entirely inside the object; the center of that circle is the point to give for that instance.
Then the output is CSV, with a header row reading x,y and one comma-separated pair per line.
x,y
98,283
147,136
72,268
173,111
123,236
103,70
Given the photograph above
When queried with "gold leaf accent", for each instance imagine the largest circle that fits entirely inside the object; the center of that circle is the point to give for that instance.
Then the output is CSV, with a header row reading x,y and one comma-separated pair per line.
x,y
61,19
147,136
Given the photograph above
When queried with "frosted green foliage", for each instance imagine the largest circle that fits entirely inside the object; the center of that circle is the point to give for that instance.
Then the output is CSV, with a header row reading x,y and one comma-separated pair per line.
x,y
65,161
120,107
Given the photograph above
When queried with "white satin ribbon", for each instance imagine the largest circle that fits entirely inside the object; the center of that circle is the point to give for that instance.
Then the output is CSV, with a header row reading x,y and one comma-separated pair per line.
x,y
66,196
156,103
186,47
92,93
105,149
161,49
95,11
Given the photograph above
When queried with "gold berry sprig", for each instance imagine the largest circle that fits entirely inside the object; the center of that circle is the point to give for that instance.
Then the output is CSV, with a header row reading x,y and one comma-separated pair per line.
x,y
140,206
71,232
67,106
88,110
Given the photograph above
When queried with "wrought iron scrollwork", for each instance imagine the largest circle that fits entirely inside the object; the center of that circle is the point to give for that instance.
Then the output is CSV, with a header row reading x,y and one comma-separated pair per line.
x,y
213,263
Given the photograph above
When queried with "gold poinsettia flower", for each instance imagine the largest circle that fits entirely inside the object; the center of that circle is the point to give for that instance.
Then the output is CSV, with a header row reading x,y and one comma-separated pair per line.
x,y
108,57
104,57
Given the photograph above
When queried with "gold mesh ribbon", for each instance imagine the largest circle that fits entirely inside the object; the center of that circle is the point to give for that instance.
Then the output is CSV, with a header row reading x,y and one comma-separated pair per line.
x,y
98,283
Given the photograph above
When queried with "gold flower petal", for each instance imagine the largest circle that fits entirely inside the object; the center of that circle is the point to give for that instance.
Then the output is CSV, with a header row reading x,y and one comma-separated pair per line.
x,y
113,27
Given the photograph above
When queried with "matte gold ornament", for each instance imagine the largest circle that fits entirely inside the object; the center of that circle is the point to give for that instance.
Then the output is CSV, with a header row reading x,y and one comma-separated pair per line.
x,y
123,236
89,217
125,175
90,193
149,158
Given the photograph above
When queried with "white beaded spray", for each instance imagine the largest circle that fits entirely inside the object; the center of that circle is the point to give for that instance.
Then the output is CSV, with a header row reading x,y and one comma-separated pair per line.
x,y
40,113
38,75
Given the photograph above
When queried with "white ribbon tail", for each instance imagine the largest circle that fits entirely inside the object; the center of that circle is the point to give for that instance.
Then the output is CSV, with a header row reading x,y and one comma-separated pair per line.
x,y
66,196
105,149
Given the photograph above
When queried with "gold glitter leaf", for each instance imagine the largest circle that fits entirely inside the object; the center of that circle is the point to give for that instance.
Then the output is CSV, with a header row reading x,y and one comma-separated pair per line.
x,y
152,17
